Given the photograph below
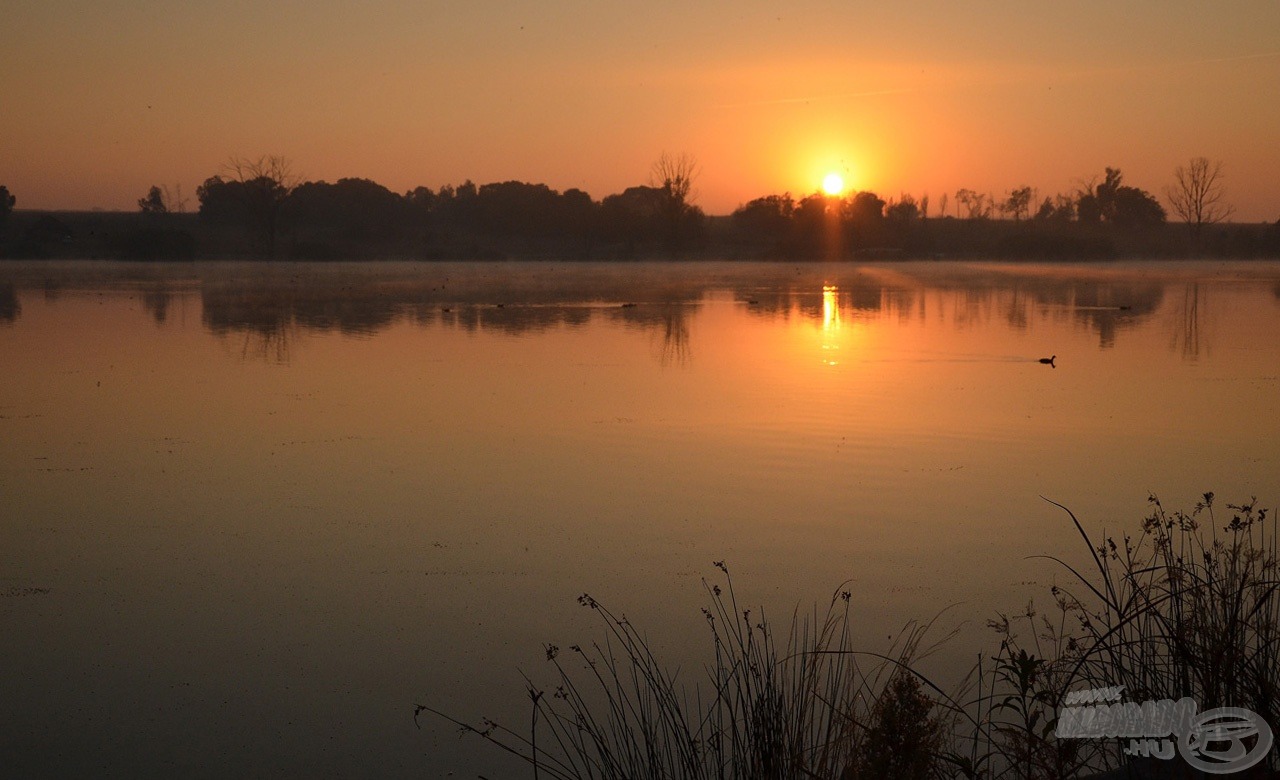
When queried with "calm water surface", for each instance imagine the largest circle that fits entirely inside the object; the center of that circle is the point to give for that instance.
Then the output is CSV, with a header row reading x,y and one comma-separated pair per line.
x,y
250,514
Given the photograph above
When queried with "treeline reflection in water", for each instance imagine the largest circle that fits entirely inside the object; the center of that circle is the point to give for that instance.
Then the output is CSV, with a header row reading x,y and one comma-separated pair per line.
x,y
272,306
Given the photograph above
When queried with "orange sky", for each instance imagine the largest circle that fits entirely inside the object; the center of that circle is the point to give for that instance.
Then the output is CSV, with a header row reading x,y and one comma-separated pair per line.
x,y
102,98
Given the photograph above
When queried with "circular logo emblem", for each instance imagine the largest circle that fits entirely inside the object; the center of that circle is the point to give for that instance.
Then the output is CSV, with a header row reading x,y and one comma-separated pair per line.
x,y
1218,740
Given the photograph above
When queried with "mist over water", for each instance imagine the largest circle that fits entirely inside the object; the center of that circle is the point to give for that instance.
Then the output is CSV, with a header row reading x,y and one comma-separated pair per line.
x,y
250,514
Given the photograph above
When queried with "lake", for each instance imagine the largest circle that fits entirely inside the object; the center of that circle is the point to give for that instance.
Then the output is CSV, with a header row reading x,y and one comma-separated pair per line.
x,y
251,514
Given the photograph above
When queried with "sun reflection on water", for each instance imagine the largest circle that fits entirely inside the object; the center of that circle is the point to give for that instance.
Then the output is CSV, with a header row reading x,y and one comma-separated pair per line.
x,y
830,323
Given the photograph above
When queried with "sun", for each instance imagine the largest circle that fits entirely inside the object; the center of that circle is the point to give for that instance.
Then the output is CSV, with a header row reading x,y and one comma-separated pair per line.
x,y
833,183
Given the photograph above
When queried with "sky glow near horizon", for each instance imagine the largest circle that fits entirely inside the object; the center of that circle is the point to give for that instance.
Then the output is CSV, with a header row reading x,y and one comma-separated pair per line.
x,y
103,99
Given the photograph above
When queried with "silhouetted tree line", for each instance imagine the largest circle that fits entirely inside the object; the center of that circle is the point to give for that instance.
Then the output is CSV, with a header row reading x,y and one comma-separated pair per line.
x,y
261,208
358,217
1102,219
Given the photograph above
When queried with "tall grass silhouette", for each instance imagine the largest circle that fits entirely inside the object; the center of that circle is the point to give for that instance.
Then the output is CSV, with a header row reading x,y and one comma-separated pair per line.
x,y
805,705
1187,607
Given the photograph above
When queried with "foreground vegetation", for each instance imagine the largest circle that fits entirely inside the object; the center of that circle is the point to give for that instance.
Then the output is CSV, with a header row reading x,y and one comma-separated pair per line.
x,y
1187,607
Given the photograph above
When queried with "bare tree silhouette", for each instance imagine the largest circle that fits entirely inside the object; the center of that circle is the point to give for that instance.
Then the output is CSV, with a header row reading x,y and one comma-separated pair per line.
x,y
675,174
1197,195
976,205
265,184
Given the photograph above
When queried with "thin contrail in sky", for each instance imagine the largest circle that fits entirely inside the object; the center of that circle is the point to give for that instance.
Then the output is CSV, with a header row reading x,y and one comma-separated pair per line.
x,y
1262,56
814,99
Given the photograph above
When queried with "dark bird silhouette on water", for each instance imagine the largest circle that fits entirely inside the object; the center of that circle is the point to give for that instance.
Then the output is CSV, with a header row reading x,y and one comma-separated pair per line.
x,y
1049,361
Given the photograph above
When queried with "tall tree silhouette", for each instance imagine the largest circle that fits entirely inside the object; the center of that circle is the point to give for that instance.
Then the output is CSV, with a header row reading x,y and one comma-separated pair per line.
x,y
153,202
674,175
1113,201
976,205
1196,195
863,214
1018,204
7,202
253,192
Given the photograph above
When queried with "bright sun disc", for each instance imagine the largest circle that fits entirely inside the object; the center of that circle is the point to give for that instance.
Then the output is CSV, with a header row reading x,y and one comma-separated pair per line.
x,y
833,184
